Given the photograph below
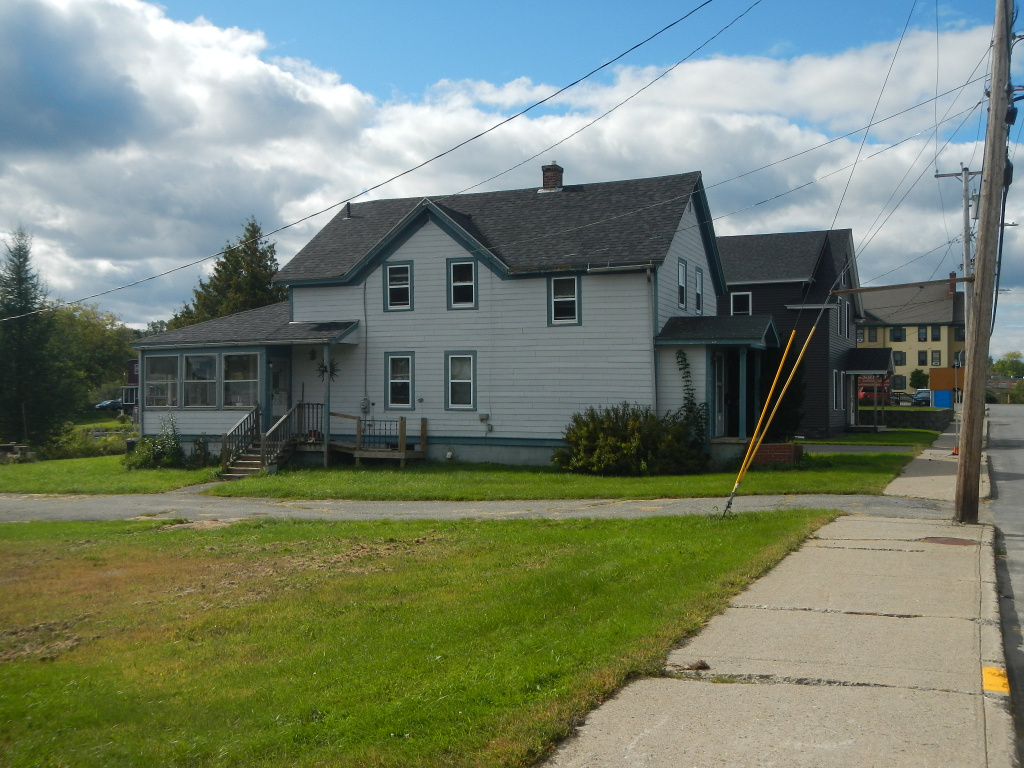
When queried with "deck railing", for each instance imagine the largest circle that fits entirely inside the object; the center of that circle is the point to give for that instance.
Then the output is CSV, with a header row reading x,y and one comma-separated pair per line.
x,y
243,435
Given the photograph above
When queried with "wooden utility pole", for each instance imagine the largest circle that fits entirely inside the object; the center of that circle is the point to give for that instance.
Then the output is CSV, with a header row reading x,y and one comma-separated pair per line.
x,y
980,320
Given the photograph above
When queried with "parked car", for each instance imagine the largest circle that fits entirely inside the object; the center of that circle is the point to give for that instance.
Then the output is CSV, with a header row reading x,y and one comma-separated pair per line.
x,y
922,397
866,396
109,405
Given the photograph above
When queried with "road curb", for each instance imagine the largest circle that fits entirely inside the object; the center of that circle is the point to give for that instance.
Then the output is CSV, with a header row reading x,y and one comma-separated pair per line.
x,y
1000,736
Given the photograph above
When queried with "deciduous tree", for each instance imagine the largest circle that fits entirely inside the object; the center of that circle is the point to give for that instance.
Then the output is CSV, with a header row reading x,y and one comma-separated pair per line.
x,y
1010,365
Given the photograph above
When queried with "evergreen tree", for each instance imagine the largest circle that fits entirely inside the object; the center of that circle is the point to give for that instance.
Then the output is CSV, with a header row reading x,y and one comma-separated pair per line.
x,y
918,379
37,390
240,281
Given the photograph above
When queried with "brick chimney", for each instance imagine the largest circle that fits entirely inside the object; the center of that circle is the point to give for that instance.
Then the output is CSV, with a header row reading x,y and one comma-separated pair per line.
x,y
552,175
952,282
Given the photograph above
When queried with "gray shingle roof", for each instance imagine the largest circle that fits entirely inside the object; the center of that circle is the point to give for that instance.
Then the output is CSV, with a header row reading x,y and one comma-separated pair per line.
x,y
756,330
266,325
609,223
759,258
916,305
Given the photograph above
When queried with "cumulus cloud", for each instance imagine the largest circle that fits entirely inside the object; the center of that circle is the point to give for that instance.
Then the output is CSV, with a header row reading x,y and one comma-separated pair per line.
x,y
133,143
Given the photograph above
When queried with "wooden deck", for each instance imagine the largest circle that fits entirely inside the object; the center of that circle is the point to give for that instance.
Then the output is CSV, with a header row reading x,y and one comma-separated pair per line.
x,y
382,439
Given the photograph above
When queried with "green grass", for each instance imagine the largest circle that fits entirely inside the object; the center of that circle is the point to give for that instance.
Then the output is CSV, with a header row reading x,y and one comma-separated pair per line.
x,y
307,643
103,474
829,473
98,419
920,437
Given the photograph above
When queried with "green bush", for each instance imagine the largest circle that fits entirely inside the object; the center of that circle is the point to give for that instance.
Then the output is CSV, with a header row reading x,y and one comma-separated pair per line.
x,y
630,440
162,451
80,443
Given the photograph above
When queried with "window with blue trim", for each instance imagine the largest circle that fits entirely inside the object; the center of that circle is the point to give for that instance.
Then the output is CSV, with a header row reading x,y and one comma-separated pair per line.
x,y
564,308
460,367
398,293
400,381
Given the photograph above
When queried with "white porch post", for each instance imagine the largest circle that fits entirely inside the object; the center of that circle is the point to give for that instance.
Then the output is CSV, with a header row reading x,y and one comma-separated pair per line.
x,y
327,403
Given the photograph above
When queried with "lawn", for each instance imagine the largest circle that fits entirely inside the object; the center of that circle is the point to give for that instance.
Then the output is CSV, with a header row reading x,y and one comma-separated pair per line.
x,y
308,643
103,474
822,473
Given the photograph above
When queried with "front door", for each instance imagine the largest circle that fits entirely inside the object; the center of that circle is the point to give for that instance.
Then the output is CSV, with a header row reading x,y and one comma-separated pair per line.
x,y
280,387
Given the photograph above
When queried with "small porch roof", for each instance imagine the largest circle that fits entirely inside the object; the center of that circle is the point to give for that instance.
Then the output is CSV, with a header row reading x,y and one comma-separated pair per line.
x,y
271,325
866,361
757,331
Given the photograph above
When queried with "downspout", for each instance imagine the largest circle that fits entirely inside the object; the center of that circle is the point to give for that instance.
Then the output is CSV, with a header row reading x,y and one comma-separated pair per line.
x,y
652,283
327,402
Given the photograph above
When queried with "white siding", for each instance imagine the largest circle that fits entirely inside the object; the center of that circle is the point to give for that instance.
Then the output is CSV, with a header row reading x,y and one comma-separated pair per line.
x,y
670,381
688,245
530,377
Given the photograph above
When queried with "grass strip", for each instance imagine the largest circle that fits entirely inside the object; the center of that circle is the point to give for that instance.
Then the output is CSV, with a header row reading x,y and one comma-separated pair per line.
x,y
307,643
819,473
99,475
919,437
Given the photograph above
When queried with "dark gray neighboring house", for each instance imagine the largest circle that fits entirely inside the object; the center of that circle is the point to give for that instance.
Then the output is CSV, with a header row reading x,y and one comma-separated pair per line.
x,y
788,277
493,316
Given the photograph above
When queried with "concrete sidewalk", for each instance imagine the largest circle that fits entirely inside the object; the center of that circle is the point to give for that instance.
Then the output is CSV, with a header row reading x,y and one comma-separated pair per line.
x,y
876,644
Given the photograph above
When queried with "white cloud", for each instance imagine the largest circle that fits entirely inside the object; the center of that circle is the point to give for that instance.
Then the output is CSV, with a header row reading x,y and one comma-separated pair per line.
x,y
133,143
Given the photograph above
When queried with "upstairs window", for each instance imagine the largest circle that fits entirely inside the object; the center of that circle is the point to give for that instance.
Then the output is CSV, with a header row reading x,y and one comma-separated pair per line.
x,y
897,333
860,335
899,357
200,381
681,284
922,357
872,334
698,289
241,380
936,333
922,333
462,285
162,382
564,305
742,303
398,287
937,358
400,381
959,333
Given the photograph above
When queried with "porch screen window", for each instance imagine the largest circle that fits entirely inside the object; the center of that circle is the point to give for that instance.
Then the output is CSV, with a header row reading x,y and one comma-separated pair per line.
x,y
399,294
564,300
741,303
698,290
241,380
200,381
681,284
460,381
463,284
399,381
162,382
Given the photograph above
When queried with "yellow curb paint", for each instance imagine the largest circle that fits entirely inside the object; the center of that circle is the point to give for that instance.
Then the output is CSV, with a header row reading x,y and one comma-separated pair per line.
x,y
994,679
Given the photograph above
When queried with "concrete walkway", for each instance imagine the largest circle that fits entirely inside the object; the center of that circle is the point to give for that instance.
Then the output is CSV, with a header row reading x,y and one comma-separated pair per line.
x,y
876,644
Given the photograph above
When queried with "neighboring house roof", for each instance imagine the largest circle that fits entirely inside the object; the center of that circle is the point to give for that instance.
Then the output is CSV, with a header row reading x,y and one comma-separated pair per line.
x,y
913,305
869,361
752,330
266,325
523,231
786,257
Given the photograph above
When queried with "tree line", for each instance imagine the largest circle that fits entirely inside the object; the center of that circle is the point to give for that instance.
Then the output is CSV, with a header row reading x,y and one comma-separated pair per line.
x,y
57,359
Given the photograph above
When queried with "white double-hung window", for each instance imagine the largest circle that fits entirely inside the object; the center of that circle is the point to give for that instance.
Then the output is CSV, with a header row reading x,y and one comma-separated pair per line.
x,y
398,287
162,381
564,301
200,381
461,370
462,285
400,380
241,380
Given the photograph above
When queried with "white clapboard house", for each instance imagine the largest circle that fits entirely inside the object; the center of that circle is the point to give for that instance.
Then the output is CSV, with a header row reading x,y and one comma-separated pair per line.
x,y
469,327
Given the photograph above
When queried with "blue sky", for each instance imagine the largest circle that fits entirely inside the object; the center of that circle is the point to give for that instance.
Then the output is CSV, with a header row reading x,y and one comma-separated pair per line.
x,y
137,138
391,49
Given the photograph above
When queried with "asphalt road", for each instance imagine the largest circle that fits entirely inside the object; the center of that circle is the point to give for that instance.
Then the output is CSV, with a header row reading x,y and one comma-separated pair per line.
x,y
1006,510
